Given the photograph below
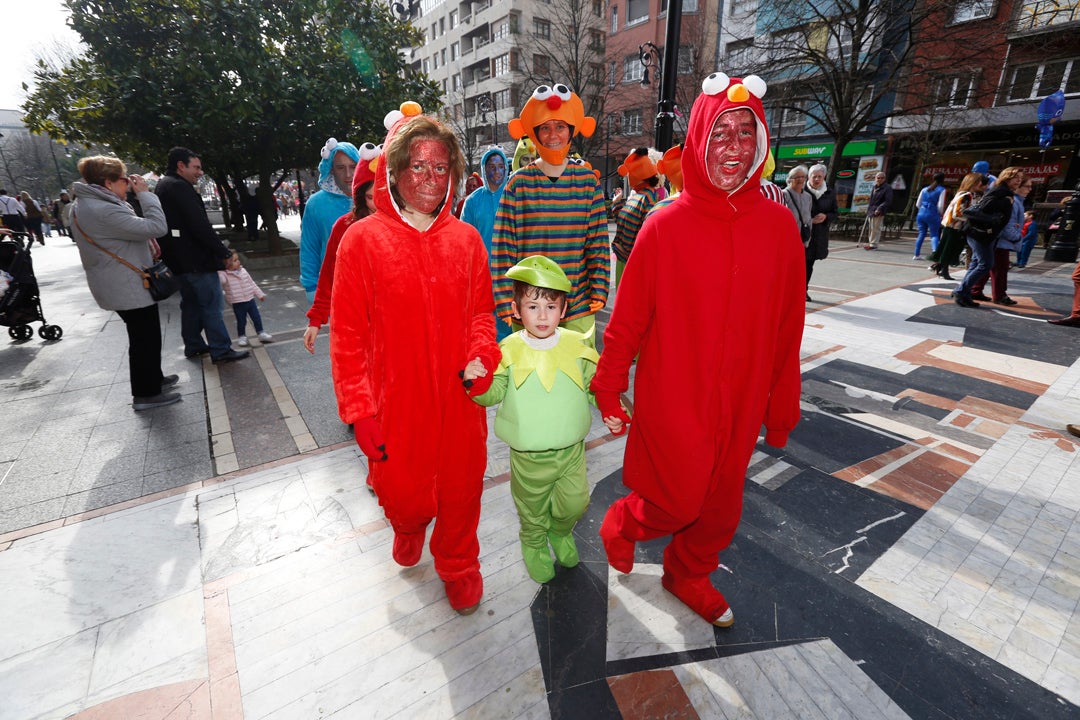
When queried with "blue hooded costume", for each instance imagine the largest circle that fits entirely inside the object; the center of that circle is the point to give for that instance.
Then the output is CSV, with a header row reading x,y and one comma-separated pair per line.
x,y
322,210
479,211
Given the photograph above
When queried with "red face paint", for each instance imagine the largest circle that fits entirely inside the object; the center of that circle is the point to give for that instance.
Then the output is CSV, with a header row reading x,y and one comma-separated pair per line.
x,y
423,182
732,146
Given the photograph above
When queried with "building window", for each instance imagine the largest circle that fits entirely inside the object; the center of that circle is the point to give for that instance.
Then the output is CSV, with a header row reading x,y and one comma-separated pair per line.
x,y
1044,13
793,117
501,65
455,51
442,56
598,8
953,91
614,18
433,35
637,11
596,40
689,6
741,7
456,82
542,29
611,70
435,61
631,122
502,29
1030,82
426,69
632,70
739,55
541,66
453,19
663,8
504,99
967,10
686,60
442,26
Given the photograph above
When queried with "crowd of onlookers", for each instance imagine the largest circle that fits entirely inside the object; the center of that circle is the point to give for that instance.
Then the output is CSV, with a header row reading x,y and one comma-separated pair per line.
x,y
22,213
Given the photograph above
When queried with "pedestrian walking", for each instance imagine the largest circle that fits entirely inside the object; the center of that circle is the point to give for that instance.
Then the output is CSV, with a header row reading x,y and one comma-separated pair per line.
x,y
241,291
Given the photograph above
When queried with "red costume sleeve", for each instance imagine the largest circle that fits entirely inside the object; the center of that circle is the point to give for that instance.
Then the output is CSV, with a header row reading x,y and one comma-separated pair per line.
x,y
352,361
320,307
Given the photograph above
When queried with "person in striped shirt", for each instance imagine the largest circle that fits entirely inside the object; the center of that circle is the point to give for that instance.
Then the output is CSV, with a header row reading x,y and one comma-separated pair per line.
x,y
639,169
554,208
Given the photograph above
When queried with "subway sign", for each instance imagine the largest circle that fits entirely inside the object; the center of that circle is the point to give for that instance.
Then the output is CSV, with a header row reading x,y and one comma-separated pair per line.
x,y
824,150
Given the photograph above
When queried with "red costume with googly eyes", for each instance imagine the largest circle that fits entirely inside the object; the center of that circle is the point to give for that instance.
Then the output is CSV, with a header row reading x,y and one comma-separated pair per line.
x,y
712,304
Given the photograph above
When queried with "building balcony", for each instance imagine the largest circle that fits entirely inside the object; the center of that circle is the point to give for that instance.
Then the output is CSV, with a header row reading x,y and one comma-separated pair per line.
x,y
1044,16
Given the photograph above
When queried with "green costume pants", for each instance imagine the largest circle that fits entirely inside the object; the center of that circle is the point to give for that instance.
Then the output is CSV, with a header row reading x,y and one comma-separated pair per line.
x,y
550,492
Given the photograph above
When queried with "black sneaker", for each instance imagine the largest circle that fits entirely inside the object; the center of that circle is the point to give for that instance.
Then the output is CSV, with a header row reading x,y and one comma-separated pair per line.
x,y
197,353
168,381
965,301
156,401
1006,301
231,356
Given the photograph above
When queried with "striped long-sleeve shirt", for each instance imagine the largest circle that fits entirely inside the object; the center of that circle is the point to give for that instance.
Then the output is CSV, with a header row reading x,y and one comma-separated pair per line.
x,y
565,220
629,219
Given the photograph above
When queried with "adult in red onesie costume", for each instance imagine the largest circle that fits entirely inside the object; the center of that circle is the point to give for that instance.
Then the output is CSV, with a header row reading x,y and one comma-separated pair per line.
x,y
712,299
412,305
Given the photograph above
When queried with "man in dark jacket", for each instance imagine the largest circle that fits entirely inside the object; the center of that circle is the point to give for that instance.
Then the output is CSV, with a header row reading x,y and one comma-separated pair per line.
x,y
880,202
195,253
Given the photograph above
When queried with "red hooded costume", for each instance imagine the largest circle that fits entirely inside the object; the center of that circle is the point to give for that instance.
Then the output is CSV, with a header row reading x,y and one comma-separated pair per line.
x,y
712,299
410,309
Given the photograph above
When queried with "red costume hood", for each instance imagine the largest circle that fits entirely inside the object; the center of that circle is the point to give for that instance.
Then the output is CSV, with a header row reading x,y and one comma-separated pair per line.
x,y
384,200
721,94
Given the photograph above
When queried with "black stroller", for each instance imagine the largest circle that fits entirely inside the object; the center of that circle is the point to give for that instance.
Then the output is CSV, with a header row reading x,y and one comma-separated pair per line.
x,y
20,304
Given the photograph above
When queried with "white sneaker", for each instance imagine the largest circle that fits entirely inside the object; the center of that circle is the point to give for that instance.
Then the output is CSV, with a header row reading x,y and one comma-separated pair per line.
x,y
242,342
266,337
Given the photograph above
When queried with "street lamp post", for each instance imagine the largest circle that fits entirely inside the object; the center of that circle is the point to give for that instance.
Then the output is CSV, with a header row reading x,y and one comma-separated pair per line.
x,y
649,55
56,164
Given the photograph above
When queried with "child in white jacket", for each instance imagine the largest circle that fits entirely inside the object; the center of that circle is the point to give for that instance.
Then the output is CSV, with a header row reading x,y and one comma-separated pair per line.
x,y
240,292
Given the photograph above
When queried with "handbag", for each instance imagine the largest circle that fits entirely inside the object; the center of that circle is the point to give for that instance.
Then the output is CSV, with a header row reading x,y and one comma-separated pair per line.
x,y
804,228
158,279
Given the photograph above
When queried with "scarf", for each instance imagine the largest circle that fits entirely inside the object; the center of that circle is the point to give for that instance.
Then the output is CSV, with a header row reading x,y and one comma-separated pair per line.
x,y
818,193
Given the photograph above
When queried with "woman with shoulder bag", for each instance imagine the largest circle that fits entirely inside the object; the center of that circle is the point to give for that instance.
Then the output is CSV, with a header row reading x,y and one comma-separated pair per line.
x,y
108,233
954,226
800,203
996,204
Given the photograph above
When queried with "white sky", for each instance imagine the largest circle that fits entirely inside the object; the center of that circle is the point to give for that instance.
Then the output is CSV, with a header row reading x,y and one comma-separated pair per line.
x,y
31,29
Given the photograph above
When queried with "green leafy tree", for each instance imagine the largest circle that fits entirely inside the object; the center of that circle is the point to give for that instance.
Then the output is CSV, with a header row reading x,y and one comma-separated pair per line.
x,y
256,87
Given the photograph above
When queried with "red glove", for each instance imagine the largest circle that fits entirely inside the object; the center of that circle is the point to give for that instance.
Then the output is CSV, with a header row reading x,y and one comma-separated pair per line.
x,y
610,406
369,438
480,385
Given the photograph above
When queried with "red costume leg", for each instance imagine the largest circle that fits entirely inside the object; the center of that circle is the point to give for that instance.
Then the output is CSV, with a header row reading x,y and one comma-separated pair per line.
x,y
1076,291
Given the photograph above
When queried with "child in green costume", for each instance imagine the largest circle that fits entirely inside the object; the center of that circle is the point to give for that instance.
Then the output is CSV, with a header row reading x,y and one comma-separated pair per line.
x,y
543,385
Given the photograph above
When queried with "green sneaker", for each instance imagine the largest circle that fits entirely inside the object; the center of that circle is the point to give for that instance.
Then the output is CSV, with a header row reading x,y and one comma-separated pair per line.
x,y
565,549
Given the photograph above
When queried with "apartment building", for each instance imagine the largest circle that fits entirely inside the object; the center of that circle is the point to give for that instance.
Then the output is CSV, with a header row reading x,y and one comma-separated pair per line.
x,y
986,108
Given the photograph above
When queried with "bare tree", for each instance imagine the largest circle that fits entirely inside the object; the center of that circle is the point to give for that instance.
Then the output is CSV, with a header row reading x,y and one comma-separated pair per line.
x,y
568,46
843,63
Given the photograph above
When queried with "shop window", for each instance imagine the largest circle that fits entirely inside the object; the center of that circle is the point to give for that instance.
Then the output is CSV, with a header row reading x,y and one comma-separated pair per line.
x,y
968,10
637,11
631,122
633,70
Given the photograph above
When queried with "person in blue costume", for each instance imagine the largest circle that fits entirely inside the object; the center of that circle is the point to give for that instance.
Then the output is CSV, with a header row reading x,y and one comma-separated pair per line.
x,y
931,206
331,201
480,206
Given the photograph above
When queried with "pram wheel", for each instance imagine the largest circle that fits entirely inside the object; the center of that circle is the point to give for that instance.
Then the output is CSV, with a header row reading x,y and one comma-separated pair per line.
x,y
21,332
50,332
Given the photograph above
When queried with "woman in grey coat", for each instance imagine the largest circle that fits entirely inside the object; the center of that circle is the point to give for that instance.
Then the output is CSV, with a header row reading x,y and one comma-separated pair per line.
x,y
102,218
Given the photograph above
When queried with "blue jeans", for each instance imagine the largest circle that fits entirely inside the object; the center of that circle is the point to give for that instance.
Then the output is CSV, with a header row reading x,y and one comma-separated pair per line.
x,y
982,261
931,225
1025,249
200,311
244,309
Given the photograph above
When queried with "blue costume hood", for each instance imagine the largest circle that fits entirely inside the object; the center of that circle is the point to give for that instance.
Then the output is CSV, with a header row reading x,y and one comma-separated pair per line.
x,y
332,148
480,206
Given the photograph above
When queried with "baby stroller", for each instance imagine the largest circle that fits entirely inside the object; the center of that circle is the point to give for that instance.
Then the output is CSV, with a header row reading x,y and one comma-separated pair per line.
x,y
20,304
